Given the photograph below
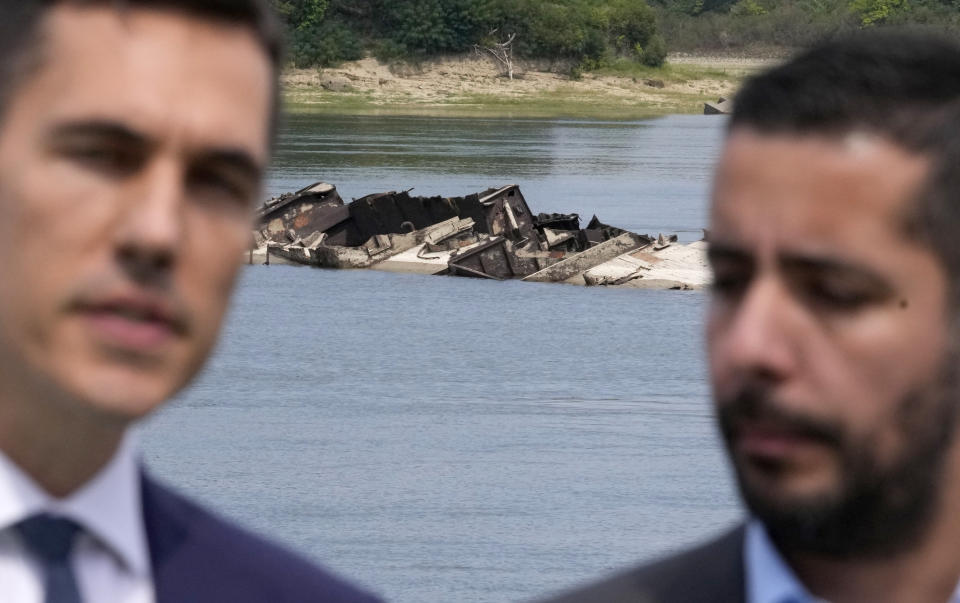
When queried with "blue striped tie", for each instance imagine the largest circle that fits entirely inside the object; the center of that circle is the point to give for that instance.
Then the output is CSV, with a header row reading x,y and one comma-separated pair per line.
x,y
50,540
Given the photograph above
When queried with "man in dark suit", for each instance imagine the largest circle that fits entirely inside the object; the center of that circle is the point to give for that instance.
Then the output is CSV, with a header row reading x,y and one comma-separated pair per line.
x,y
133,140
833,334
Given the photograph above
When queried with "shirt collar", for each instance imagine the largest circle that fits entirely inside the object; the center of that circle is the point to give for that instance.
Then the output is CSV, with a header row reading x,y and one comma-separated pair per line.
x,y
108,506
769,578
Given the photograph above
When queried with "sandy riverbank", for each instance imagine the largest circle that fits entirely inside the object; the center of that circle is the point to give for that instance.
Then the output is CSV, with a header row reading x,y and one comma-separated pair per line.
x,y
470,86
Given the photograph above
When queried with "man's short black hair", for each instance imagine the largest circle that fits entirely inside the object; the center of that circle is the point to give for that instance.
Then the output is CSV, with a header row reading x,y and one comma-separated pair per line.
x,y
903,86
870,81
21,20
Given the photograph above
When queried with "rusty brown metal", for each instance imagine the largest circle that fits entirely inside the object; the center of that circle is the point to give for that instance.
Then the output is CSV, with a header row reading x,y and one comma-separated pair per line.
x,y
491,234
303,212
490,260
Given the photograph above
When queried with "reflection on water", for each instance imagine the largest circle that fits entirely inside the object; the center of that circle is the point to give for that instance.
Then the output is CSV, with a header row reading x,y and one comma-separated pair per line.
x,y
645,176
446,439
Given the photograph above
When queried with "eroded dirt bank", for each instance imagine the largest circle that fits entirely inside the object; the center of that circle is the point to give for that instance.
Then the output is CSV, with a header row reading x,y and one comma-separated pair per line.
x,y
472,85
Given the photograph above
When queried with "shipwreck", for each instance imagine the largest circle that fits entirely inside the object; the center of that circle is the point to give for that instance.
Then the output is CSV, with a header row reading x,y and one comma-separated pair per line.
x,y
492,235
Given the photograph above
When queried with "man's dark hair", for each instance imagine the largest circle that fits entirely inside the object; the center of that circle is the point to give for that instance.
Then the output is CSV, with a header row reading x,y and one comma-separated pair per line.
x,y
903,86
21,21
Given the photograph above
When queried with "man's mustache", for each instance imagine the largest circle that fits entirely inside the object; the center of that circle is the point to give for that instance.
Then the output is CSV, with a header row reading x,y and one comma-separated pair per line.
x,y
754,404
103,288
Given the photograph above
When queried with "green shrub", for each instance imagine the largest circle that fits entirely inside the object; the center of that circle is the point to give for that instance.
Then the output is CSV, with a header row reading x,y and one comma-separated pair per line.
x,y
589,33
428,27
694,7
301,14
655,53
748,8
389,51
875,12
787,24
325,44
631,24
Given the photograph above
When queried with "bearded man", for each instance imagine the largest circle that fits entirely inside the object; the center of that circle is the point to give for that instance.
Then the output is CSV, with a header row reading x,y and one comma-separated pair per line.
x,y
833,334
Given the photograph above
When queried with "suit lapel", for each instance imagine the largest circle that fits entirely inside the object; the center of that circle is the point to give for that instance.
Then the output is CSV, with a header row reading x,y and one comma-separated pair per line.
x,y
711,573
723,579
168,540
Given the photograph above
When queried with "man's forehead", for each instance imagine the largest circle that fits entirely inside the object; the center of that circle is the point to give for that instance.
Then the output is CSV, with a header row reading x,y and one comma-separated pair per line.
x,y
160,69
815,184
849,150
823,203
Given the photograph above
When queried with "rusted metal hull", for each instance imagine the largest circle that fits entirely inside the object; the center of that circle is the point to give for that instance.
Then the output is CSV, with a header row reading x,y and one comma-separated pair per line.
x,y
495,259
491,234
721,107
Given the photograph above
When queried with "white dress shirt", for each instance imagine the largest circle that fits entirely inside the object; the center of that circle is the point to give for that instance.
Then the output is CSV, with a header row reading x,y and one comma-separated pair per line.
x,y
770,579
110,559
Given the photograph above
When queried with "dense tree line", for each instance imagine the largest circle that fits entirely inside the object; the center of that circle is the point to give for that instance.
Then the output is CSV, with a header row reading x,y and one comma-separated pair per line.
x,y
588,33
750,26
584,33
868,12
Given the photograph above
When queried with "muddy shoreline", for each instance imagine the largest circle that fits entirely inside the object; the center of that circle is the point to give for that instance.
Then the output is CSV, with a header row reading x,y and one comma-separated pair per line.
x,y
468,85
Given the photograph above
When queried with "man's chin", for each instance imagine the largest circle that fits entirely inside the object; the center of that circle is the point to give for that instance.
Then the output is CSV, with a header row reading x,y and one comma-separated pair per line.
x,y
786,506
798,508
121,394
768,504
839,523
787,483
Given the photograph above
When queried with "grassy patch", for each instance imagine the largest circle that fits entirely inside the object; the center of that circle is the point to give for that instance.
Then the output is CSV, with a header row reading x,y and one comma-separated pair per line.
x,y
671,73
557,104
560,104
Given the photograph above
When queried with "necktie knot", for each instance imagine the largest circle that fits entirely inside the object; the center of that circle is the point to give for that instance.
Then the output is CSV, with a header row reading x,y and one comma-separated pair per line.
x,y
49,538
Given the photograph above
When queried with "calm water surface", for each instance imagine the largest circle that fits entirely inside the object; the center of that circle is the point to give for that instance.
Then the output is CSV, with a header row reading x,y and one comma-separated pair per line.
x,y
443,439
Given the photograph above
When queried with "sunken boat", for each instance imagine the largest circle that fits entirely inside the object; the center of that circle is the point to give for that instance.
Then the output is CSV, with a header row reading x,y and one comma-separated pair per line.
x,y
491,234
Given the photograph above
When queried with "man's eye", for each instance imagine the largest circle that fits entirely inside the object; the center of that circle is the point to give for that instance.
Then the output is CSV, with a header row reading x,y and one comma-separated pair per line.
x,y
837,295
103,158
211,185
729,283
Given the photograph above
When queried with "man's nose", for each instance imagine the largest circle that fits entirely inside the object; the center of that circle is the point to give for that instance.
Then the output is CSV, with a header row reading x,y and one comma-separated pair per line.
x,y
151,230
761,339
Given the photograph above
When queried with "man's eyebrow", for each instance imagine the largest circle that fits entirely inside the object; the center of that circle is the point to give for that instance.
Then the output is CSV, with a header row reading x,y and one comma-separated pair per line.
x,y
807,263
864,275
97,128
232,158
725,252
820,263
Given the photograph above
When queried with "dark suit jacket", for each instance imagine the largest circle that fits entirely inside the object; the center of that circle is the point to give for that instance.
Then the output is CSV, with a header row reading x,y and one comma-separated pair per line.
x,y
197,557
711,573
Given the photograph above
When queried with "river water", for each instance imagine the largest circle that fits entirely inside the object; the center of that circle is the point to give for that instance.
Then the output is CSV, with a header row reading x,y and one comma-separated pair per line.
x,y
446,439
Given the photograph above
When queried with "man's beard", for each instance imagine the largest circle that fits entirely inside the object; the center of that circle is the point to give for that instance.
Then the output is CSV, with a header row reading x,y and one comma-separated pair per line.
x,y
876,510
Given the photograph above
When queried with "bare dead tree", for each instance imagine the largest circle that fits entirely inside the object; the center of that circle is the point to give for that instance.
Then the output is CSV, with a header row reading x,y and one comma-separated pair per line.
x,y
502,52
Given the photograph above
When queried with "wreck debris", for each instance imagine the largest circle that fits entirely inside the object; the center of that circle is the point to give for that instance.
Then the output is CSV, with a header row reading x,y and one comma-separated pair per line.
x,y
667,267
312,209
491,235
578,263
721,107
495,258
